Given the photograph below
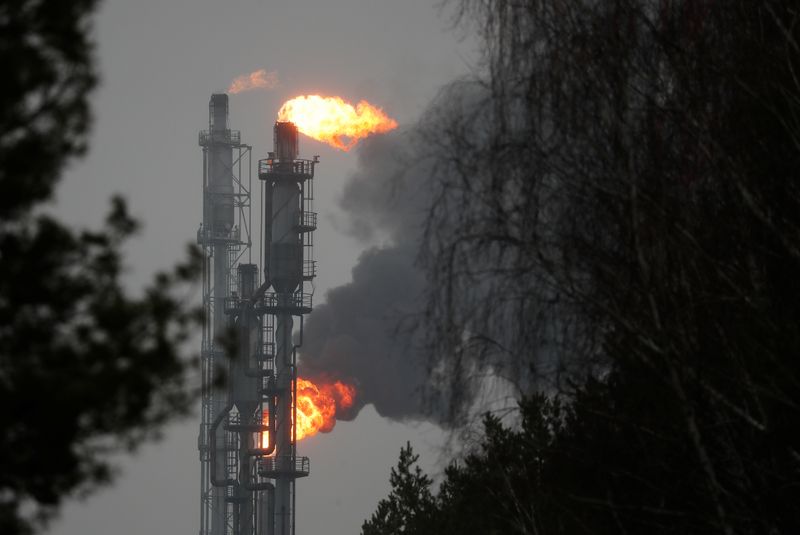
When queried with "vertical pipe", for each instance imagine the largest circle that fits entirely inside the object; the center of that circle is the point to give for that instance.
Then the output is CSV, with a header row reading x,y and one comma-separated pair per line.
x,y
267,232
220,192
219,507
284,453
245,505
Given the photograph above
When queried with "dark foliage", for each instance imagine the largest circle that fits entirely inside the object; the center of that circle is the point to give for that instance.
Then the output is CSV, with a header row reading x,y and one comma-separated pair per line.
x,y
410,506
46,53
618,221
86,370
611,460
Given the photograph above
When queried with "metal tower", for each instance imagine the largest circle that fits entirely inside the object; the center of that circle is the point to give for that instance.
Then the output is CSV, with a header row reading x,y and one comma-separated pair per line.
x,y
247,438
224,236
289,268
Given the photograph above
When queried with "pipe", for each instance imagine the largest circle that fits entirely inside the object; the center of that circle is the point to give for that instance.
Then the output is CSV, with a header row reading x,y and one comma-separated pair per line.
x,y
257,487
250,453
213,446
270,449
250,304
249,372
267,231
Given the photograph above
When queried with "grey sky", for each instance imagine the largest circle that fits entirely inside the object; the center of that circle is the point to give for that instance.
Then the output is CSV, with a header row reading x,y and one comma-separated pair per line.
x,y
160,61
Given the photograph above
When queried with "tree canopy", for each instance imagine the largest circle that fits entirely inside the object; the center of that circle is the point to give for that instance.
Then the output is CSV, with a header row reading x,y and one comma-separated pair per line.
x,y
86,369
410,506
615,225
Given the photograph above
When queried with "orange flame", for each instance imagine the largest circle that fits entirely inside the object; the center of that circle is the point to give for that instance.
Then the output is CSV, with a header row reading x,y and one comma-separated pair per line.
x,y
260,79
265,434
334,121
316,407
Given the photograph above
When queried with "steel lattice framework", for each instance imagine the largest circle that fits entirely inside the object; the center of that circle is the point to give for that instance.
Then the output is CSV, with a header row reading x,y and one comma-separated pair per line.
x,y
248,457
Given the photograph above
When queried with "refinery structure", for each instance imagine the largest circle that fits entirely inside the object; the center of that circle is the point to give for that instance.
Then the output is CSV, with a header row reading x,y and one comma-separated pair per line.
x,y
254,296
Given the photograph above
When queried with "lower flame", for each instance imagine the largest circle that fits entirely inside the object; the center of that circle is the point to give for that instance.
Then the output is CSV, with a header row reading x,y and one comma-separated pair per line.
x,y
334,121
317,405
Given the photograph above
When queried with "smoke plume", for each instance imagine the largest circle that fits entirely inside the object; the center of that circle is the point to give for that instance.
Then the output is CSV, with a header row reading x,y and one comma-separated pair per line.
x,y
260,79
365,331
359,334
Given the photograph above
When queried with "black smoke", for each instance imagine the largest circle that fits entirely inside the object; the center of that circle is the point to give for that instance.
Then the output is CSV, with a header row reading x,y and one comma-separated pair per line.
x,y
371,331
364,333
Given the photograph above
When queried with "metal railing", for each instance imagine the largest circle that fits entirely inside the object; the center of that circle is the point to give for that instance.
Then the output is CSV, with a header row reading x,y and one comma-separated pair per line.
x,y
266,353
309,269
306,221
228,137
208,235
298,302
284,465
296,167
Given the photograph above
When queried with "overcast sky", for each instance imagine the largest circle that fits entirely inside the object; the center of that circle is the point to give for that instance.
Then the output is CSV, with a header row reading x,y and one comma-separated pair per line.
x,y
160,61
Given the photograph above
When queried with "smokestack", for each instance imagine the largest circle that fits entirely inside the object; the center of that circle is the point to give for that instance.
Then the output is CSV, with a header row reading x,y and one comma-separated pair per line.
x,y
218,112
288,227
287,141
218,239
286,198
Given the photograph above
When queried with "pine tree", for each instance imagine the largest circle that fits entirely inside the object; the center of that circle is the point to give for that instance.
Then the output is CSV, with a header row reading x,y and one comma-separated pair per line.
x,y
410,505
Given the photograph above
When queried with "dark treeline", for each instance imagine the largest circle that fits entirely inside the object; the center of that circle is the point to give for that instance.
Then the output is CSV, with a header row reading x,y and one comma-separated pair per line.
x,y
616,225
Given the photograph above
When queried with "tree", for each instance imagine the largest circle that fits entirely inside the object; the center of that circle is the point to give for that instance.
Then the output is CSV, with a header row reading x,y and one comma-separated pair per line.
x,y
512,482
48,74
577,467
86,369
503,485
409,506
621,207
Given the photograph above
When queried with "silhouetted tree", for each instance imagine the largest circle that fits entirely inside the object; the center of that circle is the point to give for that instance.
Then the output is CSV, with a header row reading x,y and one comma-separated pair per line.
x,y
409,506
609,460
617,200
86,369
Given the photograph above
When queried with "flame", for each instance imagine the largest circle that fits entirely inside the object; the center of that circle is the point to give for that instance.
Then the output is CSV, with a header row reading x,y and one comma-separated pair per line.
x,y
260,79
317,405
334,121
265,434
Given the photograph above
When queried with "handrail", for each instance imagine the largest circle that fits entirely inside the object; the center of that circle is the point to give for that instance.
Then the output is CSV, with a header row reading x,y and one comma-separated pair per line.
x,y
296,167
207,137
212,438
307,220
206,235
284,464
295,300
